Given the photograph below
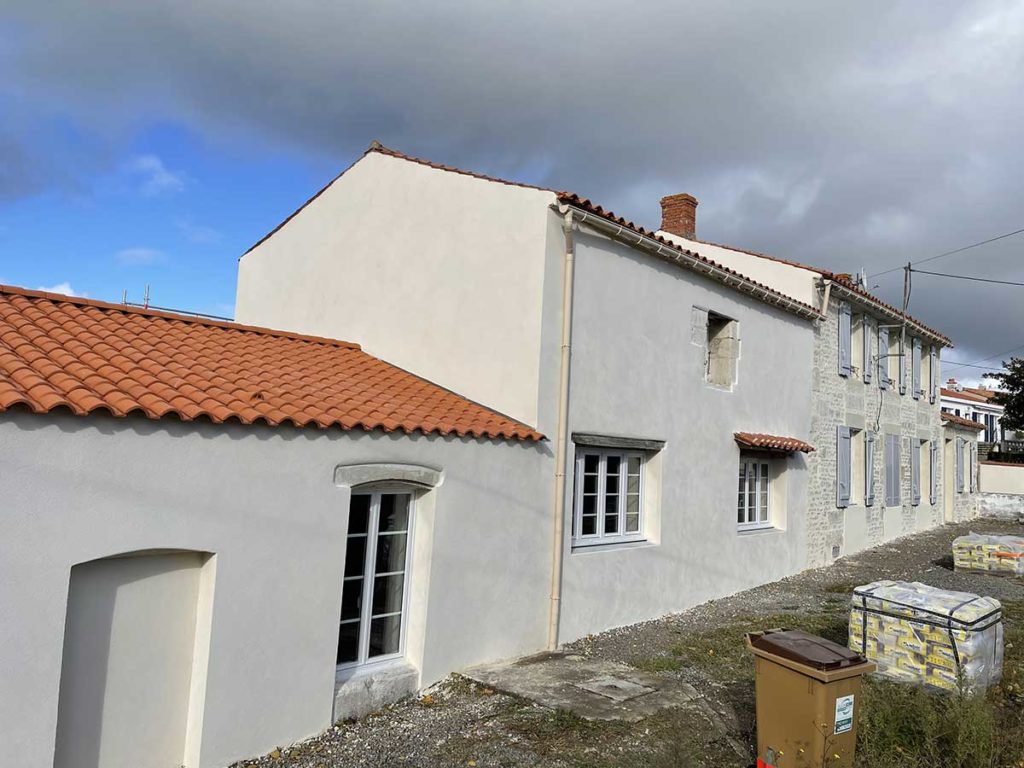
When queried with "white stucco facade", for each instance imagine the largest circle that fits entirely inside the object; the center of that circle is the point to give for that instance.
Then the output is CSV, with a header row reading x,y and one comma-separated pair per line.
x,y
638,371
260,510
440,273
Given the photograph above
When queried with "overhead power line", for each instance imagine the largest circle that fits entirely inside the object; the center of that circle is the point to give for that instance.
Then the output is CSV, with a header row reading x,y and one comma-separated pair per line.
x,y
967,277
982,360
950,253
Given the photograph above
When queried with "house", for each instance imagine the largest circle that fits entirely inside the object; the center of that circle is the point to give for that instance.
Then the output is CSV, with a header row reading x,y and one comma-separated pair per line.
x,y
189,506
681,444
878,470
962,491
976,404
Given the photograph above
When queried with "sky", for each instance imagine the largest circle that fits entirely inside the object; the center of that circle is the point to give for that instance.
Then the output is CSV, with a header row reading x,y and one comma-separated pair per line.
x,y
153,143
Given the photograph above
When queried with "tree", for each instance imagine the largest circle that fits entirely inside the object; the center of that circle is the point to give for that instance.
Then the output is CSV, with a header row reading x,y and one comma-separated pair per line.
x,y
1010,393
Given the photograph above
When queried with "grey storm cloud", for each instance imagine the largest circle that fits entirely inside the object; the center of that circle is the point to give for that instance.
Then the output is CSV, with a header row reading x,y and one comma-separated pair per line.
x,y
847,135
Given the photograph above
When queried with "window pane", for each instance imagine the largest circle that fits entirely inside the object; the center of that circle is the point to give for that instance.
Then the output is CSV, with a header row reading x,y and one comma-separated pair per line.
x,y
590,483
355,555
633,465
611,515
390,553
348,643
387,594
359,514
763,506
591,462
351,599
384,636
613,465
632,523
394,512
589,525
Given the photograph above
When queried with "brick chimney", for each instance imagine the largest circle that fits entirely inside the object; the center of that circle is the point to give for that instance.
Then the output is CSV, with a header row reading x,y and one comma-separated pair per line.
x,y
953,385
679,215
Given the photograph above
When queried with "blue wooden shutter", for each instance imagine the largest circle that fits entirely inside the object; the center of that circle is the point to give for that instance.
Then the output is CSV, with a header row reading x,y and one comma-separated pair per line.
x,y
933,471
869,468
902,368
842,466
883,359
865,334
933,370
915,377
844,339
915,471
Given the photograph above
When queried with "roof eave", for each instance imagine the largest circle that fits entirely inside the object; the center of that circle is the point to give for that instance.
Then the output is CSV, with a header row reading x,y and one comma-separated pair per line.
x,y
877,305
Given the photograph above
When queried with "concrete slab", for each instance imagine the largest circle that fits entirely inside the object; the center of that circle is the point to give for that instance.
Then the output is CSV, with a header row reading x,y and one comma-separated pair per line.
x,y
592,689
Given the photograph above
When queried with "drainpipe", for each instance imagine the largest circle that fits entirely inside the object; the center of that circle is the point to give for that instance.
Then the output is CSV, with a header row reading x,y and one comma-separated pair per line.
x,y
824,300
562,436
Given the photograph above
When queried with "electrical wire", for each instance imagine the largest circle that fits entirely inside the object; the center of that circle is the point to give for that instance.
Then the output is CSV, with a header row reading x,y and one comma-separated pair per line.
x,y
950,253
982,360
967,277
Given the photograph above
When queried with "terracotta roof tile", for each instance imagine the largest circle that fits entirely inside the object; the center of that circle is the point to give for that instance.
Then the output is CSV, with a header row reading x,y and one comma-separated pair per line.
x,y
570,198
771,442
965,395
960,421
86,356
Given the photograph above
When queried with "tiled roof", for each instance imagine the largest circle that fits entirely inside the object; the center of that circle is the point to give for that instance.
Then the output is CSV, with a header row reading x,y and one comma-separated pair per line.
x,y
965,395
760,290
960,421
856,290
87,356
772,442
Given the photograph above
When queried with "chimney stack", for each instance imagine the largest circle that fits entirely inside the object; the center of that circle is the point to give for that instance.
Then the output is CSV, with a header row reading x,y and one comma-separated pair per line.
x,y
679,215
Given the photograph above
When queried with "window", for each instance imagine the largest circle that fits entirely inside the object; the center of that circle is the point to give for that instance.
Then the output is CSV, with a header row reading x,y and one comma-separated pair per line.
x,y
608,497
892,471
753,497
845,340
869,468
897,363
376,566
958,459
722,350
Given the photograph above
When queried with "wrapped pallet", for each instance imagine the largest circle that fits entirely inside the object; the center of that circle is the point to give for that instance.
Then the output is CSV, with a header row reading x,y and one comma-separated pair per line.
x,y
920,634
997,555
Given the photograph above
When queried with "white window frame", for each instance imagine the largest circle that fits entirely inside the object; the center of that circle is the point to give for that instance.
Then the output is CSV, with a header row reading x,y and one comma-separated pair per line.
x,y
762,512
599,537
369,574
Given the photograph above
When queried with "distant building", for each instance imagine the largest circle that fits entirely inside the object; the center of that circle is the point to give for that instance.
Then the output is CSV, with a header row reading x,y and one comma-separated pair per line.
x,y
975,403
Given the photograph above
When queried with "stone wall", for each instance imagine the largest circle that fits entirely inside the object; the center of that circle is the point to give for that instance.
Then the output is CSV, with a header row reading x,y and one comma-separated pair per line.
x,y
1002,506
849,401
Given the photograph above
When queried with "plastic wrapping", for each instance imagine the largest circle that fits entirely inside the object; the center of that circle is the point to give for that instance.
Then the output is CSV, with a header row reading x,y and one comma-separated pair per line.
x,y
920,634
1002,555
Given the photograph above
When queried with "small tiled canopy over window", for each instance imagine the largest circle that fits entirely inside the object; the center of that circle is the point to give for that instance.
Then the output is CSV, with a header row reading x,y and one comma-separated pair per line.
x,y
759,454
608,498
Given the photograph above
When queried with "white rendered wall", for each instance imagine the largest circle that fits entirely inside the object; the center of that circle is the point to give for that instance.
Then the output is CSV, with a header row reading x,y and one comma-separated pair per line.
x,y
437,272
1001,478
264,502
790,279
637,372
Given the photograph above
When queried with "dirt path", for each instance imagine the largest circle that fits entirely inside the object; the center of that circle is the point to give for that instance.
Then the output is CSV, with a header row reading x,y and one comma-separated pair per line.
x,y
461,724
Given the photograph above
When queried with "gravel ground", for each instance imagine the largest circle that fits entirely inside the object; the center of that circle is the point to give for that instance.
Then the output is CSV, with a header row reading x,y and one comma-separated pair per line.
x,y
462,724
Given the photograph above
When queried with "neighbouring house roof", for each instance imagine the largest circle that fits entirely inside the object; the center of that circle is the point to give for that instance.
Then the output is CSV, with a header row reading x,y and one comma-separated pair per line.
x,y
965,395
982,392
960,421
85,356
771,442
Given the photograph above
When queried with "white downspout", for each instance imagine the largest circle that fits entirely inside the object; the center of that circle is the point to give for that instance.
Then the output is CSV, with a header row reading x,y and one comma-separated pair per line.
x,y
824,299
562,436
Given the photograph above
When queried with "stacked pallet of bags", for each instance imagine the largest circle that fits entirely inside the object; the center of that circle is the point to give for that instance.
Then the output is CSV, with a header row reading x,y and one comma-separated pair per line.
x,y
920,634
997,555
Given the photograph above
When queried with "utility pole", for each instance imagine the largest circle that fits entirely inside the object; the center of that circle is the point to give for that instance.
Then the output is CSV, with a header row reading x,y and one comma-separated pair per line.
x,y
903,328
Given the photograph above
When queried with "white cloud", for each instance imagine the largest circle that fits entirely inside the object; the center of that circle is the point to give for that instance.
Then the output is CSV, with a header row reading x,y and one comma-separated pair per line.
x,y
137,256
199,233
64,288
155,178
